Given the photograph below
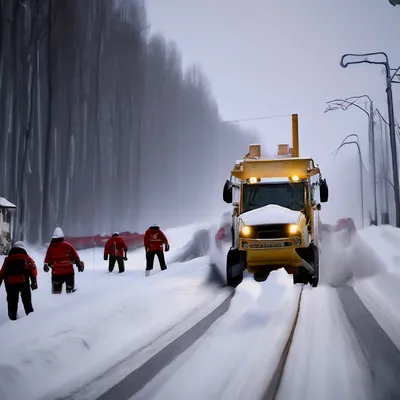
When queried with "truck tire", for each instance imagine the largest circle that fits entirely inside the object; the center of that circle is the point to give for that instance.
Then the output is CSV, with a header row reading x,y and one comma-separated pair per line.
x,y
315,264
235,266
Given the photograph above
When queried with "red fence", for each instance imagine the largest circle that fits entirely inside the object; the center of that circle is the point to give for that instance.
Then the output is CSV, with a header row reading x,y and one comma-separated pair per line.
x,y
133,240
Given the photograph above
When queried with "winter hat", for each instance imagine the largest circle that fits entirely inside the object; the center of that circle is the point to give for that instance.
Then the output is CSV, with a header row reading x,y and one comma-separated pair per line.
x,y
19,245
115,234
154,226
58,233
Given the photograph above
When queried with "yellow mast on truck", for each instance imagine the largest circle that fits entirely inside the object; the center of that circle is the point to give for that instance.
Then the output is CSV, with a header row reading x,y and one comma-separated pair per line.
x,y
275,219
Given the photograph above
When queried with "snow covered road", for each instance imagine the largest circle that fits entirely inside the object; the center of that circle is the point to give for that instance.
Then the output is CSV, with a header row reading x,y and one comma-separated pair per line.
x,y
71,340
329,357
116,327
237,356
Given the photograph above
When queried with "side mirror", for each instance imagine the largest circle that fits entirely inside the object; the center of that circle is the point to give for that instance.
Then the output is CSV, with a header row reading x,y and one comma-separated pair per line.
x,y
318,207
227,192
323,190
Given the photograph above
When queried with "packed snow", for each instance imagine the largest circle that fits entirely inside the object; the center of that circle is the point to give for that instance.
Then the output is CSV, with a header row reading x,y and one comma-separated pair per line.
x,y
237,356
114,318
270,214
77,337
326,349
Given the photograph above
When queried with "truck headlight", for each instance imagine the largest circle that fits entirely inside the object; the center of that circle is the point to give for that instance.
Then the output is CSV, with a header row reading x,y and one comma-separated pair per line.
x,y
293,228
245,231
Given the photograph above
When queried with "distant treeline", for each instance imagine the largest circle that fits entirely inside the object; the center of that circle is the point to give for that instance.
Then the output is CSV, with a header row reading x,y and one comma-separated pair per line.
x,y
101,129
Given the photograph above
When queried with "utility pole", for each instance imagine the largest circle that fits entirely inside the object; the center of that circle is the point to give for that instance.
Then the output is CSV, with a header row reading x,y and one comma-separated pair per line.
x,y
344,104
372,151
392,132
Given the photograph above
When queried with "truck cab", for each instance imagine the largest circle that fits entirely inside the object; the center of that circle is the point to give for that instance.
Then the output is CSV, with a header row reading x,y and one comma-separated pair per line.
x,y
275,217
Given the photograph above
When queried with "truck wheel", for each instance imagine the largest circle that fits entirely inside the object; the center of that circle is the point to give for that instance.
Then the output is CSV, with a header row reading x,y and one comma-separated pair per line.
x,y
235,265
235,281
311,255
261,276
302,276
315,264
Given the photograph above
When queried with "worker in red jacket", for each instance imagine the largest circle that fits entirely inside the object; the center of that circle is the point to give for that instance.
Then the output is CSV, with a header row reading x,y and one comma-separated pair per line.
x,y
116,249
19,275
61,257
154,239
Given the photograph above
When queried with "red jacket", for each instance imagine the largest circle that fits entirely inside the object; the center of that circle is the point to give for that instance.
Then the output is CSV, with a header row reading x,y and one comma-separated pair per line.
x,y
115,246
18,268
154,239
61,256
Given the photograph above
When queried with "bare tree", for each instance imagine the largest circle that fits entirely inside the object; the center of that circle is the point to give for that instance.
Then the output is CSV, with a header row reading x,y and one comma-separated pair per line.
x,y
101,129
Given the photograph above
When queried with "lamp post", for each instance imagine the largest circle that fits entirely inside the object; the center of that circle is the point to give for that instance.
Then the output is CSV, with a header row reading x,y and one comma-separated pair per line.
x,y
344,143
351,101
389,79
384,169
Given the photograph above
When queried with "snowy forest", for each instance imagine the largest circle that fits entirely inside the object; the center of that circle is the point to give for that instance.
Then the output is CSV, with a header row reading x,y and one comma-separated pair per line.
x,y
101,128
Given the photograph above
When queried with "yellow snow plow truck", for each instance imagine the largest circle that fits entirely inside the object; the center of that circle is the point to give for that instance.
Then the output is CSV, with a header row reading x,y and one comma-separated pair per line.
x,y
275,218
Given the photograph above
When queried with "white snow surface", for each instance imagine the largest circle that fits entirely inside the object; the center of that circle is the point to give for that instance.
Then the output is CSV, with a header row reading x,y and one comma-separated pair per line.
x,y
270,214
72,339
370,263
325,359
6,204
236,357
380,292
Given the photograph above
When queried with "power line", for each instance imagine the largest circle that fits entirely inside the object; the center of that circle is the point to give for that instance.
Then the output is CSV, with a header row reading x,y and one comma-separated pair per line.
x,y
257,118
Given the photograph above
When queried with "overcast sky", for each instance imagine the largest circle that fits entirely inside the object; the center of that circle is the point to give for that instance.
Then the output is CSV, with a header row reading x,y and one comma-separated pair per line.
x,y
266,58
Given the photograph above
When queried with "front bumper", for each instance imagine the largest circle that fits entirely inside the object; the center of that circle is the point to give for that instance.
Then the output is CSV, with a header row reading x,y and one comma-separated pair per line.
x,y
270,252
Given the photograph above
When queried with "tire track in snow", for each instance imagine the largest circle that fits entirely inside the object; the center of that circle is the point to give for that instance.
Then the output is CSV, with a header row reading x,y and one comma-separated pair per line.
x,y
382,355
140,377
275,382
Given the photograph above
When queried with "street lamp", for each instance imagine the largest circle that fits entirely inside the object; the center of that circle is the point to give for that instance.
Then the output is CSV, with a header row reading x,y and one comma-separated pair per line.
x,y
391,118
344,143
394,2
339,103
384,169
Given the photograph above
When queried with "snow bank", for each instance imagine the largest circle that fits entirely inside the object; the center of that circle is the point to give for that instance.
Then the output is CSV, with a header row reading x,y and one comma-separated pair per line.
x,y
370,262
343,260
75,338
198,246
381,293
271,214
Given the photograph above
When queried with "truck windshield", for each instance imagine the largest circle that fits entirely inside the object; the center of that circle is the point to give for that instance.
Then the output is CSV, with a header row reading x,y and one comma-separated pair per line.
x,y
287,194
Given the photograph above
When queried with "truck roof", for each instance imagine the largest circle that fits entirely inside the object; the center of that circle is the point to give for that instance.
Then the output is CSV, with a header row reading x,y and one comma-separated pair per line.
x,y
275,168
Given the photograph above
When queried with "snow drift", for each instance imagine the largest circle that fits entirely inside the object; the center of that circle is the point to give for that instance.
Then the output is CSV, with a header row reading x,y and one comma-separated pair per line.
x,y
75,338
197,247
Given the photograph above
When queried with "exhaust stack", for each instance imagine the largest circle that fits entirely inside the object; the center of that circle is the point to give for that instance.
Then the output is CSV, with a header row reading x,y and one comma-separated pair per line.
x,y
295,135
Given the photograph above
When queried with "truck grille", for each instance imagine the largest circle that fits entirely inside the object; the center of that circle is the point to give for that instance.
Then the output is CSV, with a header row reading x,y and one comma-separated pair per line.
x,y
271,231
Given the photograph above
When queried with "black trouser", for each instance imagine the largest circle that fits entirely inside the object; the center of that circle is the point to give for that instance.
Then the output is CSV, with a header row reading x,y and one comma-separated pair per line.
x,y
58,280
119,260
150,260
13,291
